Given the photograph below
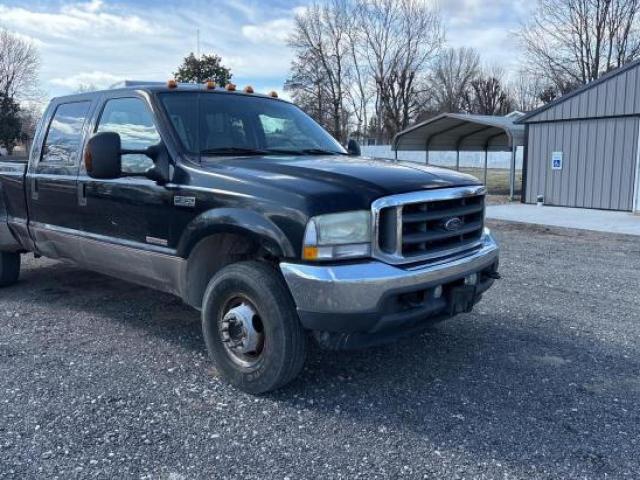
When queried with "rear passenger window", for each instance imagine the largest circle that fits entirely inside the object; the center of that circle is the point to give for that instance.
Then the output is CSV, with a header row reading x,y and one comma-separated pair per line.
x,y
62,144
130,118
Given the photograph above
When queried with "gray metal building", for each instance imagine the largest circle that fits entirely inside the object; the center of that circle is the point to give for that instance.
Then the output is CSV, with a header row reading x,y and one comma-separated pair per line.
x,y
582,150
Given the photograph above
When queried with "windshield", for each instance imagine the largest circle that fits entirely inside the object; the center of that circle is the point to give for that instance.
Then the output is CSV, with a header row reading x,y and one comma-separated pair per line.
x,y
232,124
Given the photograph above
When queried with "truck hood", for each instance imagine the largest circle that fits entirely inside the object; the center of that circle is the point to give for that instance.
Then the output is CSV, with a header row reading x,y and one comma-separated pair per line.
x,y
386,175
322,184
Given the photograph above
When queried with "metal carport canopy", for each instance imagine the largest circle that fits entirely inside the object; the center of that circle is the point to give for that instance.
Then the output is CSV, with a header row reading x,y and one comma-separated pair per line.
x,y
465,132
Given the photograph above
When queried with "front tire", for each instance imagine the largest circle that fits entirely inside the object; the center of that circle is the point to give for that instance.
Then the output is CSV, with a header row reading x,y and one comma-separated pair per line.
x,y
9,268
251,327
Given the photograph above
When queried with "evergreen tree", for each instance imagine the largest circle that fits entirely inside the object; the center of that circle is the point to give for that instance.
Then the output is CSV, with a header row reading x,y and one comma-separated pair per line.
x,y
10,123
200,70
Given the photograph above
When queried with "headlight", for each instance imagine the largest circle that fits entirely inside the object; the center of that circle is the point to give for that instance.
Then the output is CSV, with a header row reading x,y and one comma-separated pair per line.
x,y
338,235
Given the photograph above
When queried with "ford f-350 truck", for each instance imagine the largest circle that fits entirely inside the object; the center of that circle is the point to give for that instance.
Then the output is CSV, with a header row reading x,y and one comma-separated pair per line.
x,y
245,208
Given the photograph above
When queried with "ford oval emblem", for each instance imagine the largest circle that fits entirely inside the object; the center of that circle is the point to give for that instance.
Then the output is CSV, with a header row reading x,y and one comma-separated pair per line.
x,y
453,224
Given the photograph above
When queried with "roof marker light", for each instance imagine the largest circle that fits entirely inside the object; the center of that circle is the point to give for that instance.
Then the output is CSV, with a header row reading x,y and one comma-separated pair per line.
x,y
273,94
172,84
248,89
210,85
230,87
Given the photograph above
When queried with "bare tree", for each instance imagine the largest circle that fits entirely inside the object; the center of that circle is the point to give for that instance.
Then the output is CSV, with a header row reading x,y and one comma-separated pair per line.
x,y
362,90
402,37
573,42
18,65
487,96
308,89
451,78
322,67
527,91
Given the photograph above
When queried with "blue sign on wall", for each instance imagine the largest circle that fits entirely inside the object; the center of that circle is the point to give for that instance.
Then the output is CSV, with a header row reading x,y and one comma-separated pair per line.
x,y
556,160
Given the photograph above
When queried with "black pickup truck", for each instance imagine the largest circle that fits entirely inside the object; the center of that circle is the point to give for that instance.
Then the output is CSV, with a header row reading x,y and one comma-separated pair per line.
x,y
250,212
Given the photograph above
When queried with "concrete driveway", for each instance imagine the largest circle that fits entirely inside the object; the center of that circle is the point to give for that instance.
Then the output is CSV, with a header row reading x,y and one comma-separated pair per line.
x,y
579,218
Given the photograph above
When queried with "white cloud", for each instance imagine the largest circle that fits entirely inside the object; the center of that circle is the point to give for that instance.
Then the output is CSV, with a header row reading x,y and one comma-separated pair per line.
x,y
28,38
489,26
260,63
473,13
245,9
73,19
301,10
273,32
94,5
96,78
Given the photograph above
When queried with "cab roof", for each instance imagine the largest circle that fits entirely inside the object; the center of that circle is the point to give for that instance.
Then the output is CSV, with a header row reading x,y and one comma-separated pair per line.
x,y
160,87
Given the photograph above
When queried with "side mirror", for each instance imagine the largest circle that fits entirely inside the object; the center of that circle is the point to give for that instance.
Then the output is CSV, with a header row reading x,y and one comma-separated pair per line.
x,y
353,148
103,157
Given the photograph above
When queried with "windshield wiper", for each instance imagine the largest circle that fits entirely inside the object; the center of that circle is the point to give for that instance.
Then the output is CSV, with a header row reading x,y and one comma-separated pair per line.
x,y
232,151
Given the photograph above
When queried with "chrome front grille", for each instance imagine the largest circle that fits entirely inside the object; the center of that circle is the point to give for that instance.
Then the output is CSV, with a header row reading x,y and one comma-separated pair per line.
x,y
428,225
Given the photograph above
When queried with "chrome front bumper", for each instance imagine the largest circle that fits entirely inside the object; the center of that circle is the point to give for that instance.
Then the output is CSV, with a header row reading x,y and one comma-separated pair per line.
x,y
356,292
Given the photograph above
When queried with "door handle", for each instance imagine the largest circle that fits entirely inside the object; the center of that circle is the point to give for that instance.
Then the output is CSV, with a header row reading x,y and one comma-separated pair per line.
x,y
82,194
34,188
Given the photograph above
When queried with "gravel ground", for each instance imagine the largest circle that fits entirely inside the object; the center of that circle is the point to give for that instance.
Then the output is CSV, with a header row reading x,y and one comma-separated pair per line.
x,y
102,379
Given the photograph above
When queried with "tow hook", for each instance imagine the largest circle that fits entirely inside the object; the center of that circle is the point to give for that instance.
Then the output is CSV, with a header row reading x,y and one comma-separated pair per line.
x,y
495,275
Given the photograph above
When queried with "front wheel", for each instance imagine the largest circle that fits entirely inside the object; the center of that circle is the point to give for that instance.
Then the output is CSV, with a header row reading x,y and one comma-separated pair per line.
x,y
251,327
9,268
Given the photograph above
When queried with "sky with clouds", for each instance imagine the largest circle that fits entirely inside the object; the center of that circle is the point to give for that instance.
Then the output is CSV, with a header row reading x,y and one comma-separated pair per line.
x,y
102,42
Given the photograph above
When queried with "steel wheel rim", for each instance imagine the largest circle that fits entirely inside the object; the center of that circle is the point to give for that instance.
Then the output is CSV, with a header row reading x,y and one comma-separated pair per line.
x,y
241,331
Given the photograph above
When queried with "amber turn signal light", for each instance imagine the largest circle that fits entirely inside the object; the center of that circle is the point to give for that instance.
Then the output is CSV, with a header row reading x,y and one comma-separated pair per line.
x,y
309,253
210,85
230,87
273,94
172,84
248,89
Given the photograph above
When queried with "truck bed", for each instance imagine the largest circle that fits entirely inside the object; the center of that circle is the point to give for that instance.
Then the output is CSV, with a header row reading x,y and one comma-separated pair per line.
x,y
12,198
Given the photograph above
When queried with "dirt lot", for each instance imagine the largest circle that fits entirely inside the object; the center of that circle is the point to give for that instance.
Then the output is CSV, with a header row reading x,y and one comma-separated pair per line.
x,y
101,379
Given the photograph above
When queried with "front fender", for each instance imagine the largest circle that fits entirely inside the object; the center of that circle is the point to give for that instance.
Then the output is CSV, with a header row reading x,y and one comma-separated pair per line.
x,y
239,221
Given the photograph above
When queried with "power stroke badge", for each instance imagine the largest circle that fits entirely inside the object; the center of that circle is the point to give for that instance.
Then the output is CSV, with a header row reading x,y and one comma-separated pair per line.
x,y
182,201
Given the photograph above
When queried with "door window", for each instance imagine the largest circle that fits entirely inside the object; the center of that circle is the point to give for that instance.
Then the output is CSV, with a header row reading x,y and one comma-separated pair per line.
x,y
130,118
62,144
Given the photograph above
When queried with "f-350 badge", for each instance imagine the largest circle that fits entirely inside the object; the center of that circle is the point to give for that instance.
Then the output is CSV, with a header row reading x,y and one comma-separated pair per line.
x,y
181,201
